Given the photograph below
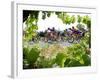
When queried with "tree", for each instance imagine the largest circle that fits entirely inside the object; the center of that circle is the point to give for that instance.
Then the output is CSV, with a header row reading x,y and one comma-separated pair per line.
x,y
31,23
79,18
87,21
73,19
67,19
44,13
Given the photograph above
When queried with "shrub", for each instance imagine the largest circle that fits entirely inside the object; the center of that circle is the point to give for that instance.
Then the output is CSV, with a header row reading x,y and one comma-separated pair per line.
x,y
25,52
32,56
60,59
43,62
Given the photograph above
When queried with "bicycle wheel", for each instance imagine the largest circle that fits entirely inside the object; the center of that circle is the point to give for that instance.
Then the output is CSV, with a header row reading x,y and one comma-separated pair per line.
x,y
71,39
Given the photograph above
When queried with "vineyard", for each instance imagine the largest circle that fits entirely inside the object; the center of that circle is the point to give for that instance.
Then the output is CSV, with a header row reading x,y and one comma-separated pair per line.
x,y
58,48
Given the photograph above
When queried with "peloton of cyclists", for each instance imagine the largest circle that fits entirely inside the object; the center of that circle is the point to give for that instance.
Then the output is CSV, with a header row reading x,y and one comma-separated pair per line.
x,y
72,31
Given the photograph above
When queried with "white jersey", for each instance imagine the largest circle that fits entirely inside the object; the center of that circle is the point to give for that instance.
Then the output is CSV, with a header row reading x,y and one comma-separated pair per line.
x,y
48,31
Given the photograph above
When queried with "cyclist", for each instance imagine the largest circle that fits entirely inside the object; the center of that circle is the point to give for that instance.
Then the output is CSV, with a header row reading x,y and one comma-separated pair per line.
x,y
75,31
69,31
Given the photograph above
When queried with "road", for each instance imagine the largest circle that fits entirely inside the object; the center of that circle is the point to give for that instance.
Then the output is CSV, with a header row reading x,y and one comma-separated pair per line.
x,y
43,43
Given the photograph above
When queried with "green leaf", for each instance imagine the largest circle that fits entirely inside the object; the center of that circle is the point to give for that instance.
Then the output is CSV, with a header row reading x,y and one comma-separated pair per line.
x,y
60,59
33,55
45,63
73,19
25,52
79,18
67,62
86,59
68,19
74,63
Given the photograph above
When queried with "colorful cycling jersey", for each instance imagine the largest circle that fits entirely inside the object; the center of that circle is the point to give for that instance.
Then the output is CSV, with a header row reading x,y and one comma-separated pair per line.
x,y
76,31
